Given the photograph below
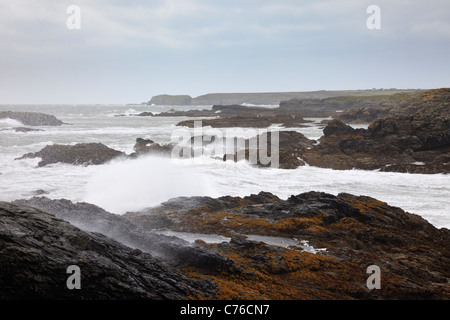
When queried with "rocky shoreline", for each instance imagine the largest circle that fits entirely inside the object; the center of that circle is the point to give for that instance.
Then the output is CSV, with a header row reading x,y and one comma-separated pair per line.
x,y
127,257
412,135
37,248
310,246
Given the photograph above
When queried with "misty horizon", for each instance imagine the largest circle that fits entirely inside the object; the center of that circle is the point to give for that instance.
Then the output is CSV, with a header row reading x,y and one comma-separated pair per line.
x,y
147,100
127,52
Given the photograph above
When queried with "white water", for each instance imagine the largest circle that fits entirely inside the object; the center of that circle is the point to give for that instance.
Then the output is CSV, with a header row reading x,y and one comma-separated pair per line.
x,y
8,123
214,238
131,185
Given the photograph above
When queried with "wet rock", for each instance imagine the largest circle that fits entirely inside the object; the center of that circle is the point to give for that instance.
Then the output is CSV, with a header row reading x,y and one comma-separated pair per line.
x,y
145,114
290,147
229,116
147,146
92,218
363,115
37,248
416,131
79,154
31,118
40,192
356,231
337,127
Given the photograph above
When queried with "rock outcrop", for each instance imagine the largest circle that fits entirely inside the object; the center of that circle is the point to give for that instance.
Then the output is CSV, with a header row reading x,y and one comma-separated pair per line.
x,y
312,245
31,118
338,238
92,218
37,249
226,116
363,114
79,154
147,146
413,137
291,113
291,145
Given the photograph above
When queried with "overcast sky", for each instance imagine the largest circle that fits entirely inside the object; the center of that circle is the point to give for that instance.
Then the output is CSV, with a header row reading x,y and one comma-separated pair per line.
x,y
128,51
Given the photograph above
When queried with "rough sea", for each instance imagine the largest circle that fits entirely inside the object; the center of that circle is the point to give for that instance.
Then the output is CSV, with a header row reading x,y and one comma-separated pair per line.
x,y
131,185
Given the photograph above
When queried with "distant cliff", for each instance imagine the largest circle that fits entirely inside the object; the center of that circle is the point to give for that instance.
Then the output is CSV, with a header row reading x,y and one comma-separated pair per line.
x,y
165,99
262,98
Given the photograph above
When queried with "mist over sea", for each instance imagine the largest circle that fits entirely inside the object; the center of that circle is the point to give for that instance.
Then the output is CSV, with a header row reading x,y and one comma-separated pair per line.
x,y
131,185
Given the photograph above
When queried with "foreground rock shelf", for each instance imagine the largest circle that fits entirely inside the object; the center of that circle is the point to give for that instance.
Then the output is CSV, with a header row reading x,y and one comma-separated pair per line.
x,y
37,248
124,257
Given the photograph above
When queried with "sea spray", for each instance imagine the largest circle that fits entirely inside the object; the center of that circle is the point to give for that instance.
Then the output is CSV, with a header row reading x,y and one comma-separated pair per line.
x,y
9,123
132,185
426,195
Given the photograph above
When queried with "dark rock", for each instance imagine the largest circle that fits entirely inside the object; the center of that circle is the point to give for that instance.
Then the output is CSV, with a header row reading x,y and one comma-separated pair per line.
x,y
79,154
91,218
145,114
291,145
40,192
31,118
37,248
415,131
228,116
230,122
337,127
147,146
356,231
142,144
363,115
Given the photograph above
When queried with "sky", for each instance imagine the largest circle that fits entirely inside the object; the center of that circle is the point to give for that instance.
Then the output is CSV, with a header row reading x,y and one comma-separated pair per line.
x,y
129,51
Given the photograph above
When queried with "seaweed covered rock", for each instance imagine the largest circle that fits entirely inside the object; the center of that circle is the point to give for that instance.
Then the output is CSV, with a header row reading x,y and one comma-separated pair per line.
x,y
332,240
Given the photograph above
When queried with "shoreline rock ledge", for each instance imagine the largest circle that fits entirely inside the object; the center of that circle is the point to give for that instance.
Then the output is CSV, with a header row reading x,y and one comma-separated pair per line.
x,y
338,238
350,233
36,249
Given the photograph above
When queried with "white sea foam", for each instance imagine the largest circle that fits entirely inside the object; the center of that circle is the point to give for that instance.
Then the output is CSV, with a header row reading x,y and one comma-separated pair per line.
x,y
260,105
10,123
132,185
214,238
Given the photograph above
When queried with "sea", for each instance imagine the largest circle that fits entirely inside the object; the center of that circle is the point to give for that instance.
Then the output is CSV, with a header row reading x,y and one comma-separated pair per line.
x,y
131,185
